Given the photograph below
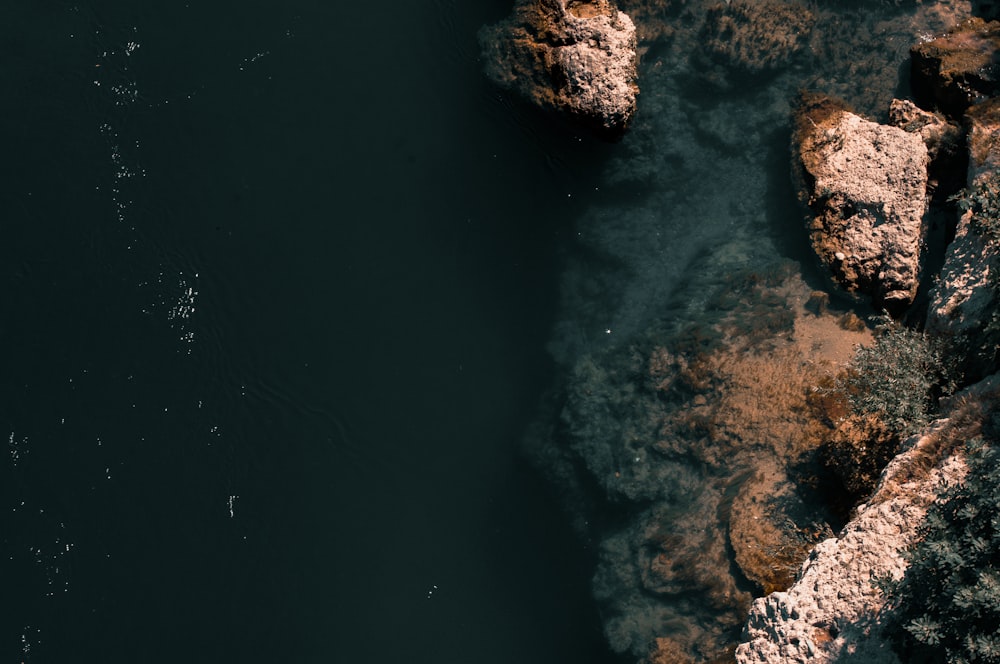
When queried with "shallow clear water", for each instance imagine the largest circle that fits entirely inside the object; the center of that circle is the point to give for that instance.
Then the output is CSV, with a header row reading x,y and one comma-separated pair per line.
x,y
695,203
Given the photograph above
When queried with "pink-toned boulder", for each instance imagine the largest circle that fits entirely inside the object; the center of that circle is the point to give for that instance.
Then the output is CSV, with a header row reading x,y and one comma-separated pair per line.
x,y
865,185
576,58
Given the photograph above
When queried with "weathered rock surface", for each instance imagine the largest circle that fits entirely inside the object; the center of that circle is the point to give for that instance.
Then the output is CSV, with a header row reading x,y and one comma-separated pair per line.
x,y
964,302
945,143
578,58
830,611
959,68
865,185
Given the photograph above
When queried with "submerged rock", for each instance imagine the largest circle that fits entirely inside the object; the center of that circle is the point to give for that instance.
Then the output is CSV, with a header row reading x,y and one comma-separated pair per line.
x,y
959,68
964,302
664,432
571,56
657,20
754,37
772,529
865,185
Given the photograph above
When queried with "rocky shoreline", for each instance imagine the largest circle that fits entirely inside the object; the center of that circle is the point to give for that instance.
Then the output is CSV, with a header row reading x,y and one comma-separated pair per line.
x,y
834,608
691,453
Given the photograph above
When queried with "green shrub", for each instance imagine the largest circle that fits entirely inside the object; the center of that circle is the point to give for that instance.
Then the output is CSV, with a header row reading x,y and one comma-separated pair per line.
x,y
894,378
885,395
947,607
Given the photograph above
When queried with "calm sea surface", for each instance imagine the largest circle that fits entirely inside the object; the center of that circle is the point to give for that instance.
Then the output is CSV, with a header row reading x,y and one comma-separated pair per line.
x,y
277,280
285,284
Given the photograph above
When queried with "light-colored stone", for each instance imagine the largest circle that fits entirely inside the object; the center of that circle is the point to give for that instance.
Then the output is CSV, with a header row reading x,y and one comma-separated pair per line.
x,y
578,58
865,185
945,143
835,598
937,133
963,302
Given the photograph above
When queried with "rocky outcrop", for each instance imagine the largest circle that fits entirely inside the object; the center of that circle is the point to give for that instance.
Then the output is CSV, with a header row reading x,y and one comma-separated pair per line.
x,y
578,58
964,303
832,609
959,68
865,185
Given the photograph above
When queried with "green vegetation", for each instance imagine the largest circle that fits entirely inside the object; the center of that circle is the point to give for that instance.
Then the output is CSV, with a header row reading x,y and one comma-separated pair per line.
x,y
893,378
884,396
947,607
983,200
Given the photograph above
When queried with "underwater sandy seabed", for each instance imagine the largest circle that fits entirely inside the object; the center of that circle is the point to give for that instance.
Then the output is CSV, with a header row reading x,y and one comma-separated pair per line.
x,y
686,338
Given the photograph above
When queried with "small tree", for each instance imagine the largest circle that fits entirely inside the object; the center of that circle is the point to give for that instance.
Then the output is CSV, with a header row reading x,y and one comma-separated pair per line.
x,y
947,607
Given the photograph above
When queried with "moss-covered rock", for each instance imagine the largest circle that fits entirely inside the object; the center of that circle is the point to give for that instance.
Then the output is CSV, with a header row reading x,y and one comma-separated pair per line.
x,y
753,38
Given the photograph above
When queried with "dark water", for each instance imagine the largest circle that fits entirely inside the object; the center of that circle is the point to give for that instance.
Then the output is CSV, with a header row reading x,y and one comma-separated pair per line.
x,y
278,279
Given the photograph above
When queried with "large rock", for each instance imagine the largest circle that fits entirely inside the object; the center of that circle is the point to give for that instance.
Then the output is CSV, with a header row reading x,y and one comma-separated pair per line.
x,y
831,610
753,37
865,185
959,68
578,58
964,303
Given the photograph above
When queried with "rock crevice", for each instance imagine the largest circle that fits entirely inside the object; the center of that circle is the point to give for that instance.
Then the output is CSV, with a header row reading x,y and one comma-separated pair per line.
x,y
865,185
